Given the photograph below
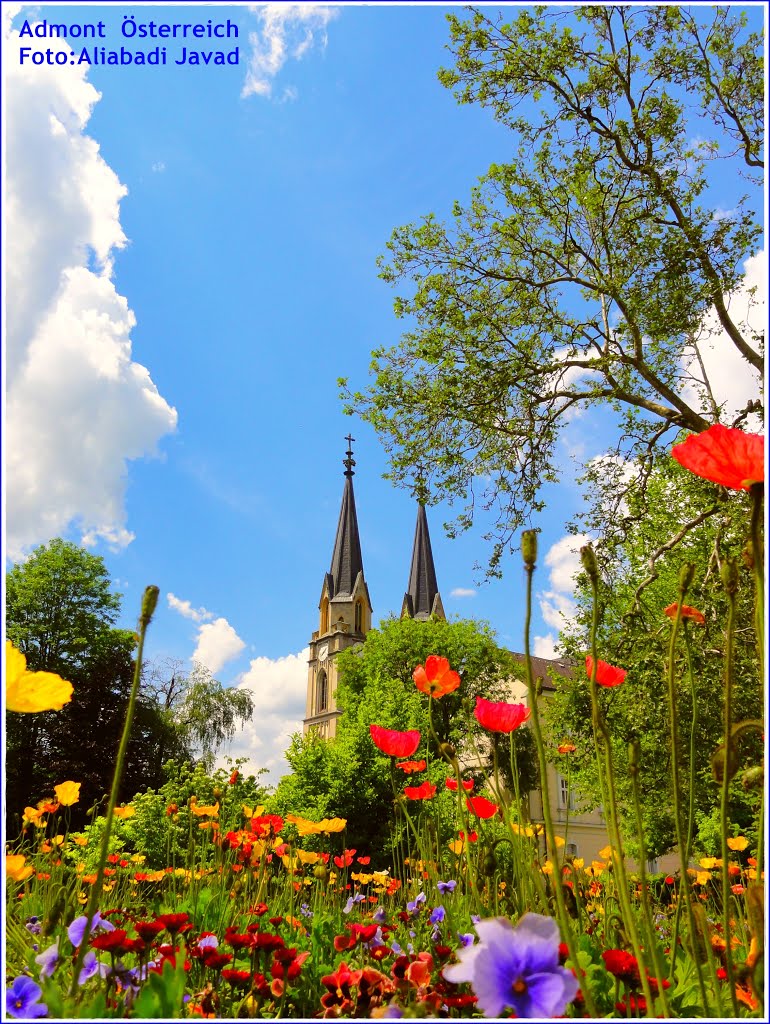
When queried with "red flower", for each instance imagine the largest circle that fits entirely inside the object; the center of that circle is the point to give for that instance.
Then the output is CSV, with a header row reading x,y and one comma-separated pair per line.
x,y
472,837
688,612
363,860
234,777
238,979
622,964
345,860
395,744
435,677
481,807
409,767
423,792
452,784
174,922
725,456
117,943
148,930
606,674
497,716
566,748
266,825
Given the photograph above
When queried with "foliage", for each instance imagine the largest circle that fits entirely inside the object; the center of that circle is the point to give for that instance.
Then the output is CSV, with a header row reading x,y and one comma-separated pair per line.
x,y
348,776
580,273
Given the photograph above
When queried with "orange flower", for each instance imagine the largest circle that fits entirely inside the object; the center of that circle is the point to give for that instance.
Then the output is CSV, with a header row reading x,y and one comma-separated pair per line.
x,y
435,678
688,612
725,456
737,843
566,748
67,793
409,767
426,791
124,812
15,868
606,674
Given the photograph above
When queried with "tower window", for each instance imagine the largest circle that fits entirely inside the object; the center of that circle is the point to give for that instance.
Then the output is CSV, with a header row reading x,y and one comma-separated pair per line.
x,y
322,692
359,616
566,795
325,615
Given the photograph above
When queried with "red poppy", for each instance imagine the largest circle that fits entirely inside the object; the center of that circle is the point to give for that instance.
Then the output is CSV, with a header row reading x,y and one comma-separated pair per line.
x,y
424,792
238,979
481,807
452,784
435,677
606,674
409,767
363,860
234,777
116,942
566,748
174,922
395,744
497,716
472,836
148,930
345,860
266,825
725,456
687,612
622,964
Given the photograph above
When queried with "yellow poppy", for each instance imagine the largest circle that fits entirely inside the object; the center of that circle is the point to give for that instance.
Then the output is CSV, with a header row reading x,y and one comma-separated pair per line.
x,y
519,831
80,840
32,691
15,867
707,863
456,846
577,862
307,856
67,793
363,879
256,813
34,815
548,868
701,877
124,812
559,842
332,825
607,853
200,809
738,843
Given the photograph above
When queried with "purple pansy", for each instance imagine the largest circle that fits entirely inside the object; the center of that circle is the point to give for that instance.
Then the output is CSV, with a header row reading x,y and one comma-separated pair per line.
x,y
379,915
77,929
449,886
415,906
48,960
437,915
466,938
516,968
90,967
22,999
208,942
352,900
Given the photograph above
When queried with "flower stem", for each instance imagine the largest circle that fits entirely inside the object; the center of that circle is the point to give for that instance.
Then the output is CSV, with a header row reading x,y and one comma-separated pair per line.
x,y
730,579
149,601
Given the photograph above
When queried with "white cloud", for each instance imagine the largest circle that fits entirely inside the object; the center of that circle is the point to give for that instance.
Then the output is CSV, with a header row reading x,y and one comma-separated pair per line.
x,y
733,380
77,407
462,592
557,605
158,167
186,609
286,32
278,688
218,643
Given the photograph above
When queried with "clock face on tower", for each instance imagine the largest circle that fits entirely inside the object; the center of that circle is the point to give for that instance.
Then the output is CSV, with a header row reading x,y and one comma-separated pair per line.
x,y
323,652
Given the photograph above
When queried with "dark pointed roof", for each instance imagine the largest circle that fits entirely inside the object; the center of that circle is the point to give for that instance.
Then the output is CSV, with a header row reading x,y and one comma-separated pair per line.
x,y
420,598
346,557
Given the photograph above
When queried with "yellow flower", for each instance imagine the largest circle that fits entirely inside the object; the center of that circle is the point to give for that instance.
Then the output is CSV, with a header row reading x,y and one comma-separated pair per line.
x,y
67,793
559,842
456,846
124,812
34,815
739,843
701,877
15,867
138,858
200,809
607,853
710,862
548,868
32,691
256,813
311,828
359,877
519,831
307,856
577,862
80,840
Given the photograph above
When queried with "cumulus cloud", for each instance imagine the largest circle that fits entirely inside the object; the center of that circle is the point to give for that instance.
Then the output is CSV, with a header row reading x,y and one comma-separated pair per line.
x,y
462,592
278,688
77,407
218,643
557,605
286,32
732,379
186,609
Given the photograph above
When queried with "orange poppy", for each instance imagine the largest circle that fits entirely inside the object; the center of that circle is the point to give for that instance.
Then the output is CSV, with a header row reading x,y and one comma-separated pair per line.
x,y
393,743
423,792
497,716
409,767
435,677
687,612
606,674
724,455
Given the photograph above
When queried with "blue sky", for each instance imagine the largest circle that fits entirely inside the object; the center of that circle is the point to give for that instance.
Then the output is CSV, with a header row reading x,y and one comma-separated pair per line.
x,y
194,269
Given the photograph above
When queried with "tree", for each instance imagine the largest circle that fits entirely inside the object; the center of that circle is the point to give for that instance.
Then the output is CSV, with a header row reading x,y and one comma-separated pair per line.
x,y
640,573
199,712
60,613
347,776
580,273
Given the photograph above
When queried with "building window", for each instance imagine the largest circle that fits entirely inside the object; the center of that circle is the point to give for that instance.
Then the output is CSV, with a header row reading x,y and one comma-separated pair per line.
x,y
652,866
325,615
359,616
566,795
322,692
571,849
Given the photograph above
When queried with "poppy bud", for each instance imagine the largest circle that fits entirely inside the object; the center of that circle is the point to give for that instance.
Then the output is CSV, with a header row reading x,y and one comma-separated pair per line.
x,y
529,548
448,751
149,604
753,778
588,560
320,871
217,793
489,864
686,576
175,818
729,573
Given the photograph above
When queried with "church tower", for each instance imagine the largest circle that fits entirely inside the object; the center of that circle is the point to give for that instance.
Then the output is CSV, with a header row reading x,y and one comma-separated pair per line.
x,y
345,613
422,599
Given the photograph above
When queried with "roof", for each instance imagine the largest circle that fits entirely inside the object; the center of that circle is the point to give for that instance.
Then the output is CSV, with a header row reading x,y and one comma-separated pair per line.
x,y
423,588
541,667
346,557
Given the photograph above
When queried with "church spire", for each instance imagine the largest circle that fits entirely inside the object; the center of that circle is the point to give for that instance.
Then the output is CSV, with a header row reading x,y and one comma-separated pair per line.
x,y
422,599
346,557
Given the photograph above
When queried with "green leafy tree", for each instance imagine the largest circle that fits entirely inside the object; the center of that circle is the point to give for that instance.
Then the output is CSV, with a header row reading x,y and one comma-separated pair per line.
x,y
580,272
675,519
60,611
348,776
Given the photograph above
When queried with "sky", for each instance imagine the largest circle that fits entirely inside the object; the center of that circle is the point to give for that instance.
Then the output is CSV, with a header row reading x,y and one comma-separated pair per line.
x,y
190,266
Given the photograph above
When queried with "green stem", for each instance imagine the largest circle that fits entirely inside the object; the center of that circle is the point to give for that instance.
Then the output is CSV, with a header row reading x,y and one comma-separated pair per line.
x,y
149,601
564,922
730,579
